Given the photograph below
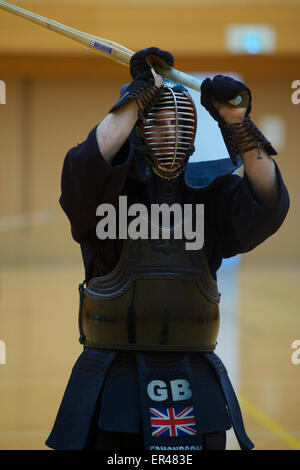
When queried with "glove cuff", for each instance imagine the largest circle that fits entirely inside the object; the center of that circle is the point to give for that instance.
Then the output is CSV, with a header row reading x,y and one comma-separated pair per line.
x,y
242,137
144,93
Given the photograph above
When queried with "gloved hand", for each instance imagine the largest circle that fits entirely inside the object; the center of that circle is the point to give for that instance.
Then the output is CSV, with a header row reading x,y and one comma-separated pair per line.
x,y
141,62
144,88
239,133
222,89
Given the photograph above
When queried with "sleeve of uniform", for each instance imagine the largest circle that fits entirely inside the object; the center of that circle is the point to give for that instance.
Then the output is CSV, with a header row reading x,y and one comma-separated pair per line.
x,y
241,222
88,180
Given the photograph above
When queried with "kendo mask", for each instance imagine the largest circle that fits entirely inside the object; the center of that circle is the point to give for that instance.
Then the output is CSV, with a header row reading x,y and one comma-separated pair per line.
x,y
169,131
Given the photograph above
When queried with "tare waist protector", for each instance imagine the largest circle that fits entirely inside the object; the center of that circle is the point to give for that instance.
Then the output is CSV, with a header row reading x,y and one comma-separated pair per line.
x,y
159,296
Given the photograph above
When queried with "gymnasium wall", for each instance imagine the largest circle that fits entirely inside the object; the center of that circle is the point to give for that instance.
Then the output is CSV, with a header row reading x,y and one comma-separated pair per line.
x,y
56,91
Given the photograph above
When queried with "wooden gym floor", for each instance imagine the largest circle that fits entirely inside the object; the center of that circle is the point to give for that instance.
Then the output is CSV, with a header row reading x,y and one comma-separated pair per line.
x,y
38,318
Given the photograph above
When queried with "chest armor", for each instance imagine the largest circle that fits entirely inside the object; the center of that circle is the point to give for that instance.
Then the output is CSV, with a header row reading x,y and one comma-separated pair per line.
x,y
160,296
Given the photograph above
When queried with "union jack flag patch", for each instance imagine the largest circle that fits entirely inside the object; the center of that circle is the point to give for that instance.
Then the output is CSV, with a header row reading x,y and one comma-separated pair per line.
x,y
173,422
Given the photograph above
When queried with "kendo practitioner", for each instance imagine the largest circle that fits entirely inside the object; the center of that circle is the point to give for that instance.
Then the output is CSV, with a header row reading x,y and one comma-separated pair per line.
x,y
148,377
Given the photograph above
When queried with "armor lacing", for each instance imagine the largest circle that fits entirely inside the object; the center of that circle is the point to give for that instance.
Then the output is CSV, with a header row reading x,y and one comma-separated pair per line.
x,y
145,98
244,136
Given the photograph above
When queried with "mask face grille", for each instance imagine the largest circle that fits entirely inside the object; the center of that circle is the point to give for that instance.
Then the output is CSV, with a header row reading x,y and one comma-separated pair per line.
x,y
169,130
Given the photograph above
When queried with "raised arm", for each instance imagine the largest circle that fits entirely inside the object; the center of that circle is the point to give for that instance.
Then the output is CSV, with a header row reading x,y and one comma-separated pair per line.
x,y
95,171
241,136
252,208
113,131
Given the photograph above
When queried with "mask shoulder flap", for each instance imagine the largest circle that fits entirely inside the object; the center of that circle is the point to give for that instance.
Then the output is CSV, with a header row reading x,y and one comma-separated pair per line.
x,y
204,174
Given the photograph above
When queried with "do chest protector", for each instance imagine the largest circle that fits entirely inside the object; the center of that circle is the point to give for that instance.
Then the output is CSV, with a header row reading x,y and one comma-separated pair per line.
x,y
159,297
